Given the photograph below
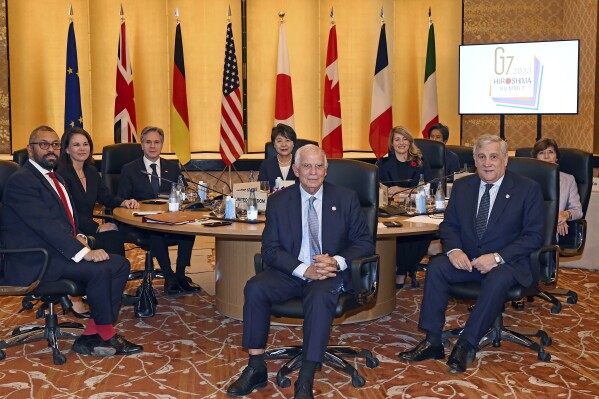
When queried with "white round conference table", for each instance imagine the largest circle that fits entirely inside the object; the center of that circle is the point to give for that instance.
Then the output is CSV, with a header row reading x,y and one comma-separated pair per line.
x,y
237,243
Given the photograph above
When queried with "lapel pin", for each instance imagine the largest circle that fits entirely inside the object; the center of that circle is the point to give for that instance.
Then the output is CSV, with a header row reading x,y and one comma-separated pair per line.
x,y
507,196
334,208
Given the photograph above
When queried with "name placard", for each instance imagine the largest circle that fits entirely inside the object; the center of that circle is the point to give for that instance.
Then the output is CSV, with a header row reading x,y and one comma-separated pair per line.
x,y
242,191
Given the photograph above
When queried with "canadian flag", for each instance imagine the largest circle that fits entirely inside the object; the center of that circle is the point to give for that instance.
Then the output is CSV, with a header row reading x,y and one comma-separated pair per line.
x,y
332,139
284,95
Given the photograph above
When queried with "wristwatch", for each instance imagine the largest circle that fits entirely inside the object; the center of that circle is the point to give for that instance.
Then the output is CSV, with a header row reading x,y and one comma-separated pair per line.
x,y
497,258
338,267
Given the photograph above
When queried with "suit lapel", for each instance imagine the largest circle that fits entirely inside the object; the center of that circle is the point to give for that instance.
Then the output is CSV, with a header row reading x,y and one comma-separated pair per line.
x,y
472,202
295,202
501,200
328,204
51,189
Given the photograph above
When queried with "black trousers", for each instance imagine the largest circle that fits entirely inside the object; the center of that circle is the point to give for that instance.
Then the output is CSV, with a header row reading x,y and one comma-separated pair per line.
x,y
104,281
272,286
409,252
159,247
494,287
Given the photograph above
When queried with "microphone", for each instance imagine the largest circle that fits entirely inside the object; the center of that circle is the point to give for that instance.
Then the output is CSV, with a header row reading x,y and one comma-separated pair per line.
x,y
214,177
411,189
388,182
187,179
145,172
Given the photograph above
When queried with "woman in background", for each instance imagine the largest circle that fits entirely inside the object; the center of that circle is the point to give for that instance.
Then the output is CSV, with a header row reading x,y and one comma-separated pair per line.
x,y
283,138
86,188
570,207
400,171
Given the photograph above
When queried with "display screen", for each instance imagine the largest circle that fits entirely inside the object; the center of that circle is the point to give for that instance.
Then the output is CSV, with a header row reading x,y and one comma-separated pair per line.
x,y
519,78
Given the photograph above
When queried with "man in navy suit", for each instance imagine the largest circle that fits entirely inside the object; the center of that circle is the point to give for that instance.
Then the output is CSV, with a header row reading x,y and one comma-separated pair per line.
x,y
38,212
143,179
300,220
493,221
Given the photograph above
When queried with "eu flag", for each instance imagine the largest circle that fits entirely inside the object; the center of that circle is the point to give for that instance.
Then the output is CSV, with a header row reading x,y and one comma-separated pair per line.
x,y
72,96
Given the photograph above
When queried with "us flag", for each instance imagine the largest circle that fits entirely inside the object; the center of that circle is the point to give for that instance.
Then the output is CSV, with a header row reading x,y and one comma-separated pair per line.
x,y
231,121
125,127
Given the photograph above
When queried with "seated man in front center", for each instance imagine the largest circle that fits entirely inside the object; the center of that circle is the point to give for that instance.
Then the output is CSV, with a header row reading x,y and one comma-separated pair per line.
x,y
300,221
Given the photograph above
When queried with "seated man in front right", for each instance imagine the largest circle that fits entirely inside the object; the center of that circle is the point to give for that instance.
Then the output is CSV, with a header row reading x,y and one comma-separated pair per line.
x,y
493,221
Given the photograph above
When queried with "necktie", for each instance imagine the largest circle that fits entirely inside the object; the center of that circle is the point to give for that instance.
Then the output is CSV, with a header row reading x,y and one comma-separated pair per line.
x,y
313,228
63,198
154,180
483,212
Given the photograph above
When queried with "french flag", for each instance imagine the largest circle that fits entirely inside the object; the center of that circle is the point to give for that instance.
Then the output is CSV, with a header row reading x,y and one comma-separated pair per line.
x,y
381,111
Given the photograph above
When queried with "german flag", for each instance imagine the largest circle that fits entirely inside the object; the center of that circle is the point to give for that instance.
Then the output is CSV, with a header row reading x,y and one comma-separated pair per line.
x,y
179,115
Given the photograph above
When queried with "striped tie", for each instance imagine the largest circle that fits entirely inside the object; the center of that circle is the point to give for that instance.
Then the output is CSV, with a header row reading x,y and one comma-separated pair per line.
x,y
483,212
313,228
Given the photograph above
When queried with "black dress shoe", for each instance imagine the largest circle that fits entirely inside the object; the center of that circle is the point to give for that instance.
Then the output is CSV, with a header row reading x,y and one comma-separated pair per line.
x,y
423,351
461,355
251,378
172,287
92,345
188,286
122,346
303,389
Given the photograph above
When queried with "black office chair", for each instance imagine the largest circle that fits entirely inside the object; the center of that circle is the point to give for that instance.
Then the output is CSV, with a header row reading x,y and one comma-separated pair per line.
x,y
543,262
270,152
20,156
465,155
49,293
362,178
114,156
434,153
579,164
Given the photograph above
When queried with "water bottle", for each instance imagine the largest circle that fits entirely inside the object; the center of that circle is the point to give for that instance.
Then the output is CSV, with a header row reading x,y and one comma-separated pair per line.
x,y
252,176
421,196
202,192
439,198
181,188
229,208
173,199
278,183
252,206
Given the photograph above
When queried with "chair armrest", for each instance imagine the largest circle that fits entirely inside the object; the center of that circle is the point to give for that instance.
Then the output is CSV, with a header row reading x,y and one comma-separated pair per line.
x,y
545,264
572,244
365,278
23,290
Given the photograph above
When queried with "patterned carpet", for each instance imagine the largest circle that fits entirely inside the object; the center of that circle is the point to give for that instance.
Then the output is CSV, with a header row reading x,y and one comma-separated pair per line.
x,y
193,352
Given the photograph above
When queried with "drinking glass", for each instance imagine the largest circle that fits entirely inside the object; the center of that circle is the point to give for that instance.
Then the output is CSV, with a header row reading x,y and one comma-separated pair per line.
x,y
430,204
410,205
218,207
242,209
264,186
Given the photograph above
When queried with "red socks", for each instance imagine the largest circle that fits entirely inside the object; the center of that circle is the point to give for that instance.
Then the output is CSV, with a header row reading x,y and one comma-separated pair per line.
x,y
105,331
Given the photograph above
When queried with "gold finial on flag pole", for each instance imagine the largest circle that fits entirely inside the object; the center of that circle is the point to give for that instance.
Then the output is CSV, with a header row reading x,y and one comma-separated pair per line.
x,y
177,14
229,14
282,16
382,16
430,20
332,16
71,12
122,13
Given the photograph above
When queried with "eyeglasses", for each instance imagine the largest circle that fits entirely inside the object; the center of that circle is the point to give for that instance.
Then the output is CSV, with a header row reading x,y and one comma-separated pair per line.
x,y
308,166
44,145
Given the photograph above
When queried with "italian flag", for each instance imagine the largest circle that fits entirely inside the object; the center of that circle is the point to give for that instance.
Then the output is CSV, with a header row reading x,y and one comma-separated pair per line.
x,y
430,113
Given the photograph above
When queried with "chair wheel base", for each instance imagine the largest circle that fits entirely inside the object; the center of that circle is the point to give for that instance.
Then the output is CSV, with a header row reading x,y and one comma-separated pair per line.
x,y
544,356
358,381
59,358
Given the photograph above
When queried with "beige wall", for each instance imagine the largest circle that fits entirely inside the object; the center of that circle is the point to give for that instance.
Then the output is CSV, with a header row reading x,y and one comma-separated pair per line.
x,y
493,21
38,49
